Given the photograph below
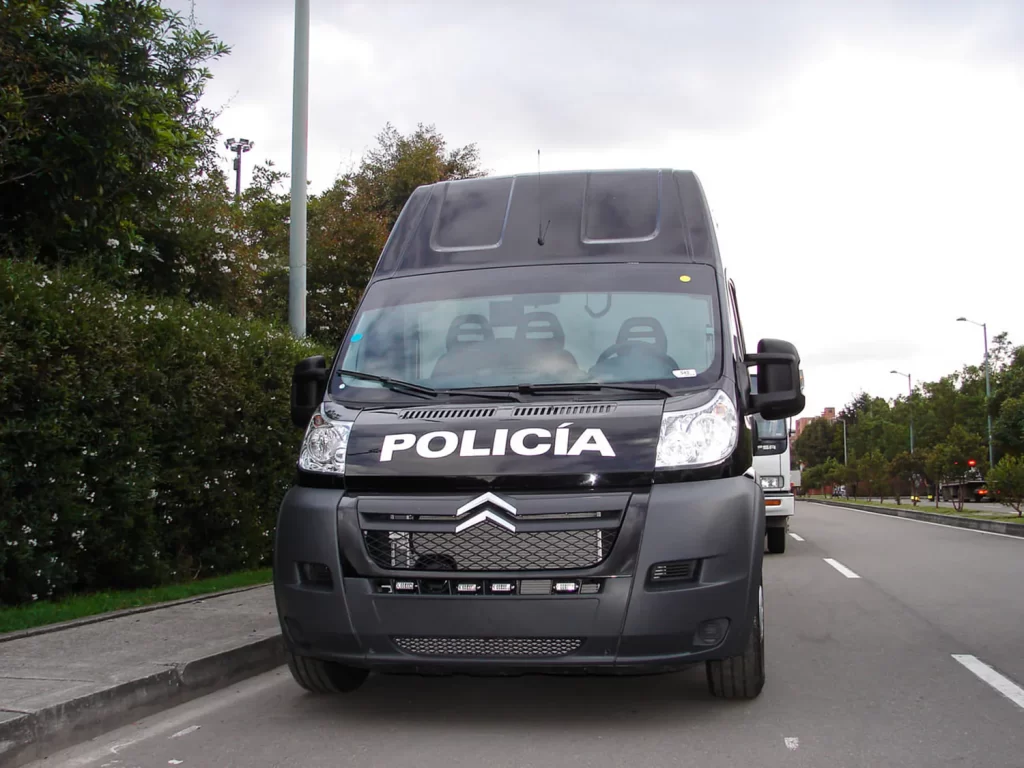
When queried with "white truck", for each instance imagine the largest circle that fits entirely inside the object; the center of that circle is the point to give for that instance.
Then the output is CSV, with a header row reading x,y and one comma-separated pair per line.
x,y
772,465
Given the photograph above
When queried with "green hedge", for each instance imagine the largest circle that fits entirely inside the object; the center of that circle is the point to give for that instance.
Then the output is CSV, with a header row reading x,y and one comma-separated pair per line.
x,y
142,441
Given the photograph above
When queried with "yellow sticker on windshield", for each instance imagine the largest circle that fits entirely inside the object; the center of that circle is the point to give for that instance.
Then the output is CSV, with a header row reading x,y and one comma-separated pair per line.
x,y
684,278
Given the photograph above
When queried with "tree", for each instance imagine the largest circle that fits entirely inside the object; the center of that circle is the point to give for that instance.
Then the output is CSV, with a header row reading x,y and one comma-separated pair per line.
x,y
99,123
1006,480
816,442
904,469
390,172
873,471
949,461
1008,428
813,478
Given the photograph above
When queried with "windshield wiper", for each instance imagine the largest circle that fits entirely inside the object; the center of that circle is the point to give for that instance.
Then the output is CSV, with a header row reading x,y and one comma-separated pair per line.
x,y
408,387
396,385
592,386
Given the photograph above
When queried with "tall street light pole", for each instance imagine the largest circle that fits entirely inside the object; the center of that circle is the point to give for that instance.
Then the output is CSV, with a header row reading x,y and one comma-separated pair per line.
x,y
238,146
988,386
910,395
297,222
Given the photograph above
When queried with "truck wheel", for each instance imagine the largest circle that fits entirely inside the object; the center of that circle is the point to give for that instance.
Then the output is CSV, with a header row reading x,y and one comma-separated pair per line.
x,y
742,677
776,540
318,676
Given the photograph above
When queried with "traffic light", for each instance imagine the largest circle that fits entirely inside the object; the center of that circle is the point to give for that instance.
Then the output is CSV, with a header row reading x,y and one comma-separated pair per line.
x,y
971,462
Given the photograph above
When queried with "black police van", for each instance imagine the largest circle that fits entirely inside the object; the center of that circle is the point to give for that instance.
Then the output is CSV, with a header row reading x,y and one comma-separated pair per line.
x,y
532,451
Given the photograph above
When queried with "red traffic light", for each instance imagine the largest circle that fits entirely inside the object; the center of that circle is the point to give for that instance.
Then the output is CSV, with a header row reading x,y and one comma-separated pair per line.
x,y
971,462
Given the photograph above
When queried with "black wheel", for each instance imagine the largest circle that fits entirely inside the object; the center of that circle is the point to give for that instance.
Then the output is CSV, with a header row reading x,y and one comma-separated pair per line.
x,y
742,677
318,676
776,540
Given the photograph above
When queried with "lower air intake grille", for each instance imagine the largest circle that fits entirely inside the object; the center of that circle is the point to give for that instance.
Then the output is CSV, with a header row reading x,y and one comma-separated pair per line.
x,y
489,548
679,570
493,647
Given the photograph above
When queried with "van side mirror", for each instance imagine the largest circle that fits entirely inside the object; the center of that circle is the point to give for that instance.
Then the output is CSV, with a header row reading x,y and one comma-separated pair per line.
x,y
779,380
309,383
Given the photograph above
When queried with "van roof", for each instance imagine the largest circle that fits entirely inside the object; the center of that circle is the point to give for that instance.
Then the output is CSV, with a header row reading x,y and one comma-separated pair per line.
x,y
645,214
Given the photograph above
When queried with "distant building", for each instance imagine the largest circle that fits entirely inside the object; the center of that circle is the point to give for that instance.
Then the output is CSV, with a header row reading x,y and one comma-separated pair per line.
x,y
828,413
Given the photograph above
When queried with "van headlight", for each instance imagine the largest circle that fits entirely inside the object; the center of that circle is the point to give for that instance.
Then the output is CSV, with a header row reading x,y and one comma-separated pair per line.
x,y
325,445
699,437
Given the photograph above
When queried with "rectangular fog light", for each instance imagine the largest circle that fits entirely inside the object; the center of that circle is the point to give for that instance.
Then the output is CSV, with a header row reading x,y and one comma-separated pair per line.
x,y
566,587
502,588
405,586
468,588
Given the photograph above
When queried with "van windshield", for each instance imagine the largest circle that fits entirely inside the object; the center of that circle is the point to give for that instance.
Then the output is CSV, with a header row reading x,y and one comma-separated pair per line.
x,y
503,327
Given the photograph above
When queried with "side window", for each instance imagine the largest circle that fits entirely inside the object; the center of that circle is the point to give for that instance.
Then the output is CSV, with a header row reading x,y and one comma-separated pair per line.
x,y
739,343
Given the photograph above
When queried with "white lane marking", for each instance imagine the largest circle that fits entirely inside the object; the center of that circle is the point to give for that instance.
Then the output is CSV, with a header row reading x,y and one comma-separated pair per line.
x,y
792,742
796,537
921,522
186,731
1004,685
841,568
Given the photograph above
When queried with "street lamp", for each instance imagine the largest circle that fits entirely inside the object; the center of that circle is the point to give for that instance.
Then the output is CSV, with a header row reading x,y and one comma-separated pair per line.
x,y
910,395
988,387
238,146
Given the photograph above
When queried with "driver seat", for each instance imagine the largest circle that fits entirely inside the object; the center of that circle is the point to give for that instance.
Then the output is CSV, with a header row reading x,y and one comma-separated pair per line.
x,y
645,329
628,365
469,338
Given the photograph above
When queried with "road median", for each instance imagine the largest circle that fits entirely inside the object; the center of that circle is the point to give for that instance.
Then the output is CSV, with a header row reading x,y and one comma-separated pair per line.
x,y
68,686
953,521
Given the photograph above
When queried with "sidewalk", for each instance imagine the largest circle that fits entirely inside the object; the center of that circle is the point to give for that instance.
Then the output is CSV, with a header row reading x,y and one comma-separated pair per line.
x,y
65,687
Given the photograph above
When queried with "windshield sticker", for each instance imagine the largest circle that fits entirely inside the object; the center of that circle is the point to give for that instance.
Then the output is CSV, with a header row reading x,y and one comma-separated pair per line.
x,y
684,373
356,337
684,278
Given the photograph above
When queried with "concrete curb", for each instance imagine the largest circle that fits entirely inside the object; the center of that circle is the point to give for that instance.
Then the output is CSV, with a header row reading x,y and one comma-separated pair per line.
x,y
19,634
35,735
989,526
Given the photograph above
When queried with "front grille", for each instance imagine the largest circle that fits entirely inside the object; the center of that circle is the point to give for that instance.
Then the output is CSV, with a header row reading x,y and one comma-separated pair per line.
x,y
489,548
491,647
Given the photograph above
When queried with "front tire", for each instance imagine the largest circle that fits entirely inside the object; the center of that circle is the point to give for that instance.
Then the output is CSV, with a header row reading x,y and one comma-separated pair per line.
x,y
324,677
776,540
743,676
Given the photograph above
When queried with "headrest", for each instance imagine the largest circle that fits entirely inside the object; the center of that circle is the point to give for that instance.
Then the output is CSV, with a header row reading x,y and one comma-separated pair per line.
x,y
541,326
466,329
646,329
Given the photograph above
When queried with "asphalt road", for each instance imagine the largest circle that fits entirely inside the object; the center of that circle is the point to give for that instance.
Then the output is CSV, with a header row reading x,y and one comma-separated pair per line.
x,y
861,672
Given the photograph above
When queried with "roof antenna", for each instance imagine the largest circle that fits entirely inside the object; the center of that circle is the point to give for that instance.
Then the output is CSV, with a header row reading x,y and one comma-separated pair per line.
x,y
542,230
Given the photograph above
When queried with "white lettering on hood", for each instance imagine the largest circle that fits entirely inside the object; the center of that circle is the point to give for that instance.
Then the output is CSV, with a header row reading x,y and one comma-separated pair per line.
x,y
532,441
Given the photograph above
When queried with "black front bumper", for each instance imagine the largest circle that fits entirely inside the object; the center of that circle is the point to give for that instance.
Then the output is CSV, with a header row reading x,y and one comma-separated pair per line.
x,y
630,624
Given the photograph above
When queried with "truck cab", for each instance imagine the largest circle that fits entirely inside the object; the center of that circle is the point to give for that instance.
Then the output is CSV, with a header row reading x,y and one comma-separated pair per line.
x,y
533,448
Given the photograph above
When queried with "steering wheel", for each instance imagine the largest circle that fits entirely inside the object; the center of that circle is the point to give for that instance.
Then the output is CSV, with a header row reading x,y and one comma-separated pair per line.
x,y
625,348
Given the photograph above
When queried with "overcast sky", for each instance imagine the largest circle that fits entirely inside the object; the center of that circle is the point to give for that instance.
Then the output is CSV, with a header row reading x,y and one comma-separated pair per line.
x,y
864,160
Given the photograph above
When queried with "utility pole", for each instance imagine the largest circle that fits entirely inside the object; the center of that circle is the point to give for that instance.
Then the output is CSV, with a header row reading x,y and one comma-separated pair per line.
x,y
300,127
988,386
238,146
